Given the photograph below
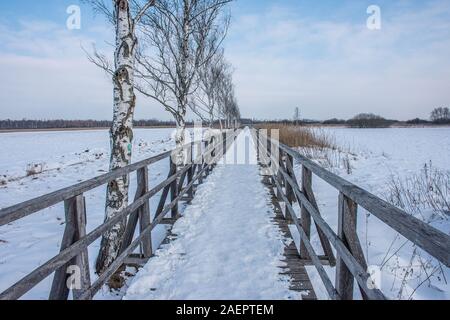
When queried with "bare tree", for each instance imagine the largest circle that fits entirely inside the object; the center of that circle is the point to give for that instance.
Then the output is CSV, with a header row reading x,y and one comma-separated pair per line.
x,y
181,37
124,15
440,115
226,99
205,100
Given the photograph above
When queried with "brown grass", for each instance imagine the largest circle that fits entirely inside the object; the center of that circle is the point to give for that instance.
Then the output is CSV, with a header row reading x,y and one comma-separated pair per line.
x,y
298,136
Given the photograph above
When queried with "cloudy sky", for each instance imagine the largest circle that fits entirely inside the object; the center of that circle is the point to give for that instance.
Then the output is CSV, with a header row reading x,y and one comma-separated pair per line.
x,y
316,55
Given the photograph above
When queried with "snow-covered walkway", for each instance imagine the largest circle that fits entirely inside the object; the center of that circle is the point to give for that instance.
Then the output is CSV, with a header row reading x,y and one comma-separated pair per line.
x,y
227,247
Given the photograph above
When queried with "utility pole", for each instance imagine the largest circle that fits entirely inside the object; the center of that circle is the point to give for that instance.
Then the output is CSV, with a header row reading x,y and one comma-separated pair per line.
x,y
297,116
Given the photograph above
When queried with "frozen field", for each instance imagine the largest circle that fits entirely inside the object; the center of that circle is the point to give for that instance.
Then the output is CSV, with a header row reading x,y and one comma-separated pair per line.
x,y
72,156
65,158
376,157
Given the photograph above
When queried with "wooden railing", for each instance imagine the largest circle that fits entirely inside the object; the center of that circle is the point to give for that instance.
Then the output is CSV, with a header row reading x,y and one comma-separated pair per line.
x,y
74,246
351,264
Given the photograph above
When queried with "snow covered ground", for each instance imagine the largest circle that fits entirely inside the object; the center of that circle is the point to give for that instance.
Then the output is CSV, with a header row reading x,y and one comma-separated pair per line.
x,y
63,158
227,246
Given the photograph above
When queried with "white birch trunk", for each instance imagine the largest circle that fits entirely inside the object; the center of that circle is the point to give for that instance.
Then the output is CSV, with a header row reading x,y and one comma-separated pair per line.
x,y
121,132
183,99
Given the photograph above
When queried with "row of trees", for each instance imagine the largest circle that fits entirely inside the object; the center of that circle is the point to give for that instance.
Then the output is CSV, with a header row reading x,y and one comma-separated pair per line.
x,y
369,120
72,124
171,52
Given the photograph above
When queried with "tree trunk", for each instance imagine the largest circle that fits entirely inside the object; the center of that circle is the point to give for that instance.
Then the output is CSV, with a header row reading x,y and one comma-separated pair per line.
x,y
121,132
180,138
183,99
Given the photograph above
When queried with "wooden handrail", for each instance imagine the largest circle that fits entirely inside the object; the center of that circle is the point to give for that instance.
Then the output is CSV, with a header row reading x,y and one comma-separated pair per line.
x,y
430,239
351,259
21,210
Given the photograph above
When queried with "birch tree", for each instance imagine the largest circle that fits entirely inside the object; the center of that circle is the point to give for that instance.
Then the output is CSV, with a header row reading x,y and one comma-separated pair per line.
x,y
124,16
181,36
226,100
205,101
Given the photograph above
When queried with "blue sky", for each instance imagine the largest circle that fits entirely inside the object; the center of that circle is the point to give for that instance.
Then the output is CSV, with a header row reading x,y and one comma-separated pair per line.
x,y
315,55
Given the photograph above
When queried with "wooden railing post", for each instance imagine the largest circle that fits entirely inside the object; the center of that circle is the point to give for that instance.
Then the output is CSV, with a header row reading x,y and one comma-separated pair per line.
x,y
208,158
344,278
290,196
290,171
75,212
144,214
305,216
269,160
202,161
347,232
257,145
190,174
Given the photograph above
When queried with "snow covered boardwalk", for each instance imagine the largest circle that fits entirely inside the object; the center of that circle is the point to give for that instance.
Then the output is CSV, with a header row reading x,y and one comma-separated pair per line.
x,y
227,245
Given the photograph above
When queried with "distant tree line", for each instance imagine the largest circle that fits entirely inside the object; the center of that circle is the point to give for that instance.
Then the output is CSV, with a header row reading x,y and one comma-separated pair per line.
x,y
439,116
73,124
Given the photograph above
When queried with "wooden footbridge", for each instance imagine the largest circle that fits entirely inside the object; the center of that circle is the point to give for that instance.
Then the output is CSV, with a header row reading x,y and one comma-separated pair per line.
x,y
341,249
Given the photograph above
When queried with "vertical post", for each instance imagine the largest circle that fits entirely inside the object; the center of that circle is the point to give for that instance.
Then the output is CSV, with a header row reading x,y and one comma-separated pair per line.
x,y
75,212
290,171
257,145
190,192
202,160
280,177
305,216
224,143
288,188
144,213
174,190
269,160
82,260
344,278
207,158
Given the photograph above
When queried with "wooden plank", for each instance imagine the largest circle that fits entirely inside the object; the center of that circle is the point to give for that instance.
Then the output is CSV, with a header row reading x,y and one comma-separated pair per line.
x,y
174,190
305,216
344,278
75,229
308,192
352,264
59,290
292,264
82,259
165,193
144,215
26,208
313,256
134,216
306,219
349,228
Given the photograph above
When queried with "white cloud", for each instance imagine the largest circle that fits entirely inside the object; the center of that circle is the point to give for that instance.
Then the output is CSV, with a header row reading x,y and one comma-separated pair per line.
x,y
283,60
336,69
46,74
